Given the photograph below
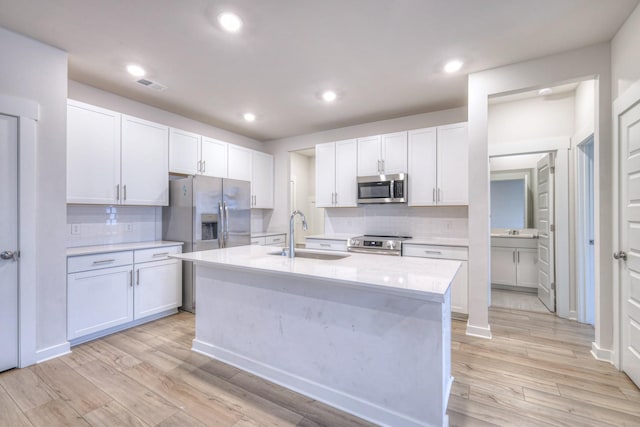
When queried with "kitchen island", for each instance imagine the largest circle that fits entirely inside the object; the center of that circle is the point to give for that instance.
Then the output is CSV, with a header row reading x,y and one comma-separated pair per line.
x,y
368,334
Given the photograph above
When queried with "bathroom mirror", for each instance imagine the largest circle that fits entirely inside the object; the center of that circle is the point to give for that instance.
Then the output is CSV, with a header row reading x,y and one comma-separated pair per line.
x,y
511,198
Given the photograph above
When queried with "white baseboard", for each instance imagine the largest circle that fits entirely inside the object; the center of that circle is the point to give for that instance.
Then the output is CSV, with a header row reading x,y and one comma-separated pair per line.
x,y
601,354
53,352
328,395
573,315
478,331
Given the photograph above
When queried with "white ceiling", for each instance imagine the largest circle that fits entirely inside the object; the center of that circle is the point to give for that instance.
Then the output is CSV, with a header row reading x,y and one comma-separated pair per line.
x,y
384,57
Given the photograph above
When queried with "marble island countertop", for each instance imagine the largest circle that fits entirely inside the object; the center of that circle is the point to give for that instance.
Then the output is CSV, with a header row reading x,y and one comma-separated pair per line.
x,y
420,278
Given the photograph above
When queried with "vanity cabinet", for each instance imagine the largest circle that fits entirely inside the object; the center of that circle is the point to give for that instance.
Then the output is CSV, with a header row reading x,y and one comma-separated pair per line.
x,y
459,287
336,174
438,166
514,262
114,290
114,159
382,154
261,180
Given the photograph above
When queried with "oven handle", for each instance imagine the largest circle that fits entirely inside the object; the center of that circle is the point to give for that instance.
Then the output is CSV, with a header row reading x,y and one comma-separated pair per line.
x,y
374,251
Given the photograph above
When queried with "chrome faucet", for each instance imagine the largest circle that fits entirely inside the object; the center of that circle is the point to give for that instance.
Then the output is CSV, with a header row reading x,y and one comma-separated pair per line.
x,y
292,240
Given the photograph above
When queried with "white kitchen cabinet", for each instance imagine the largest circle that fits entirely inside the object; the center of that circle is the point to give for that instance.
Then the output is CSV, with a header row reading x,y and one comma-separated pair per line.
x,y
270,240
261,180
515,265
438,166
459,287
145,163
239,163
382,154
339,245
214,157
114,158
93,154
114,290
336,174
183,152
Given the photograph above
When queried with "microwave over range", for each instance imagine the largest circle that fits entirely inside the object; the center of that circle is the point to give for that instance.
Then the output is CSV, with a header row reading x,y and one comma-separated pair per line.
x,y
382,188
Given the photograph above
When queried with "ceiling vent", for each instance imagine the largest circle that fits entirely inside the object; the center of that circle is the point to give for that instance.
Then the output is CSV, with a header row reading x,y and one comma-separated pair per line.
x,y
152,85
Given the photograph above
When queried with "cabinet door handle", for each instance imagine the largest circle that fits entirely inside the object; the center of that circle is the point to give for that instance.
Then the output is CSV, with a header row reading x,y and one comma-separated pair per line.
x,y
325,245
118,192
336,198
434,194
439,199
518,257
433,252
382,170
204,166
124,191
199,165
513,255
104,261
131,278
138,277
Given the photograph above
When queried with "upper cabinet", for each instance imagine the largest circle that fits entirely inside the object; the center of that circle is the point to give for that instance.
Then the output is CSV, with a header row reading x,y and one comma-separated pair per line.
x,y
183,152
239,163
115,159
382,154
213,157
261,180
438,166
336,174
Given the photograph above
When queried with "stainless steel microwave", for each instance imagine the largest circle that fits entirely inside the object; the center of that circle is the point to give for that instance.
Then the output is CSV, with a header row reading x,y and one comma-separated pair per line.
x,y
382,188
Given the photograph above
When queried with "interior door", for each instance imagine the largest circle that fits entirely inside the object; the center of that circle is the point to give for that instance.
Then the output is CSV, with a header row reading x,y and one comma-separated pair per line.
x,y
546,233
629,140
8,242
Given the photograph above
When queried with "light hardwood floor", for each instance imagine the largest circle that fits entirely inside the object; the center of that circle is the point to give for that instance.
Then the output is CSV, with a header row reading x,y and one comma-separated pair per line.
x,y
537,370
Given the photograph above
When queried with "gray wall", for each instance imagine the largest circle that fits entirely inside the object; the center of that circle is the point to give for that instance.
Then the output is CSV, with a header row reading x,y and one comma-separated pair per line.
x,y
38,72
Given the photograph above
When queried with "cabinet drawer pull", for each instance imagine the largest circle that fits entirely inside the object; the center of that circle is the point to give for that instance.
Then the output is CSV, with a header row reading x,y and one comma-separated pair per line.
x,y
131,278
124,192
159,254
104,261
325,245
433,252
118,192
275,240
138,277
514,256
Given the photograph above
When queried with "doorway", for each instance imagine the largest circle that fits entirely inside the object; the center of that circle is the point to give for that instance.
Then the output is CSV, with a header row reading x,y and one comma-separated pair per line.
x,y
302,193
8,242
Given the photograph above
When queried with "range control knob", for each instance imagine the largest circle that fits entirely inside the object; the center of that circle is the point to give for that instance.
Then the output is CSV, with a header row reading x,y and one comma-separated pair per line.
x,y
391,244
355,242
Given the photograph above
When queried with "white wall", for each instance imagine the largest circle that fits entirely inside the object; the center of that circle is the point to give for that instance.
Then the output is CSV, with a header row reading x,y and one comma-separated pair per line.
x,y
575,65
300,176
625,66
38,72
280,149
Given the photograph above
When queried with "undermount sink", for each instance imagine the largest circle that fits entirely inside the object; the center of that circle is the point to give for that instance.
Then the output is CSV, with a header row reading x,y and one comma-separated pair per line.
x,y
300,253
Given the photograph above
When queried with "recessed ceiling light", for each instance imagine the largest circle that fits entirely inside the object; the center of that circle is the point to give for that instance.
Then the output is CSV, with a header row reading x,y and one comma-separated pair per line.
x,y
545,91
453,66
329,96
230,22
249,117
136,70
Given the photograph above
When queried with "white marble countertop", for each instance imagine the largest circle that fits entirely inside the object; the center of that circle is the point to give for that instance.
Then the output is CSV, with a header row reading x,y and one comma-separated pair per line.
x,y
439,241
266,234
420,278
100,249
335,236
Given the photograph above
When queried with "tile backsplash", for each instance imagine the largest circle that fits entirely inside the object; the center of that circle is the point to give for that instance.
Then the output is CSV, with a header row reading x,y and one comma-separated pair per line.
x,y
103,225
399,220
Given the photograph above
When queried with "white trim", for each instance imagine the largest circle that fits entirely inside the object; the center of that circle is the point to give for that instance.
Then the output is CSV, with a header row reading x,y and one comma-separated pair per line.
x,y
477,331
620,105
27,112
601,354
336,398
529,146
53,352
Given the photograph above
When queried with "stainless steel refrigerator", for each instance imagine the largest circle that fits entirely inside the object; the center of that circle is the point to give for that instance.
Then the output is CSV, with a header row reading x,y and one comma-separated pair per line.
x,y
206,213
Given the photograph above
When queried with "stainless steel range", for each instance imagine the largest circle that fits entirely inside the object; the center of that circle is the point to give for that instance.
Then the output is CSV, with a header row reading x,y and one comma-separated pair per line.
x,y
383,245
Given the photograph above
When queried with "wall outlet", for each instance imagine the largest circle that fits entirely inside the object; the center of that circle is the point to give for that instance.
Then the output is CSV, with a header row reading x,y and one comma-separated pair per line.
x,y
75,229
128,227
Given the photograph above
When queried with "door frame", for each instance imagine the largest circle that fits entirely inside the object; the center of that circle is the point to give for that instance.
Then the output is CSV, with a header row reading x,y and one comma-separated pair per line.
x,y
581,228
561,147
624,102
27,113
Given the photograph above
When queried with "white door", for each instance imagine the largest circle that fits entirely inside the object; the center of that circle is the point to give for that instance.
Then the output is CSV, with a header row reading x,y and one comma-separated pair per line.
x,y
8,242
325,174
394,153
546,234
503,266
157,288
629,143
369,152
453,154
422,167
145,162
346,174
213,157
183,152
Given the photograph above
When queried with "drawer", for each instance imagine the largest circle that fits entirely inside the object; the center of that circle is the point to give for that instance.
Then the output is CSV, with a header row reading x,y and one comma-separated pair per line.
x,y
434,251
155,254
277,240
97,261
260,241
326,245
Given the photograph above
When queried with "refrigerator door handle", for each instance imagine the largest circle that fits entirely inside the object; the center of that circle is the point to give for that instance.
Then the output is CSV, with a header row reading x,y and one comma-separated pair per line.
x,y
220,226
226,223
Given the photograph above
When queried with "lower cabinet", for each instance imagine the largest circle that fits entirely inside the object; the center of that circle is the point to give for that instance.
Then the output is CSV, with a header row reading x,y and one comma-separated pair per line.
x,y
270,240
515,266
459,287
109,290
326,244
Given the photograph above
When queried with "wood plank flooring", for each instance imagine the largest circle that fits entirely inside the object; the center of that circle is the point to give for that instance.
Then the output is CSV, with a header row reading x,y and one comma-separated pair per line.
x,y
536,370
